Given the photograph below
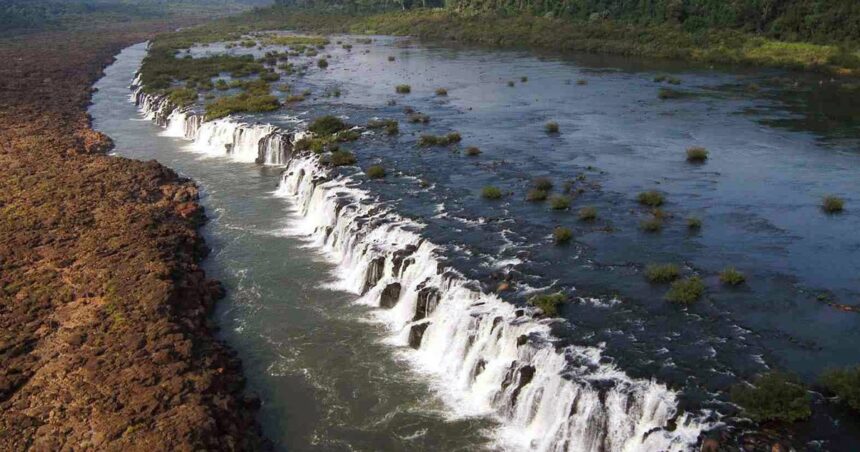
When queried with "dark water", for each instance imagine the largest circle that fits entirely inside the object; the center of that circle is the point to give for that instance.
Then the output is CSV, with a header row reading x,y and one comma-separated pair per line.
x,y
325,377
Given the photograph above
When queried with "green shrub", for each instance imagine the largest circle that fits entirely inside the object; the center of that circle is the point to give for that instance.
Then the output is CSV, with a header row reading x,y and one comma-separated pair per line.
x,y
662,273
832,204
653,224
439,140
270,76
666,93
551,127
221,85
182,96
582,82
536,194
548,303
694,223
559,202
845,383
441,92
375,172
542,183
732,276
293,98
322,63
686,291
473,151
453,137
392,129
348,135
490,192
241,103
418,118
651,198
342,158
380,123
774,397
327,125
588,213
697,154
403,89
562,235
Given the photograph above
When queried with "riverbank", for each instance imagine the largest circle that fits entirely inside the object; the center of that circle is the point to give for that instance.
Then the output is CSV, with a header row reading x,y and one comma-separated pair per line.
x,y
106,340
546,33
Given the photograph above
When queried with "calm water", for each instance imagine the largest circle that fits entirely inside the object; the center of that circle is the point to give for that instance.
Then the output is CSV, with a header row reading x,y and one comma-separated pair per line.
x,y
321,365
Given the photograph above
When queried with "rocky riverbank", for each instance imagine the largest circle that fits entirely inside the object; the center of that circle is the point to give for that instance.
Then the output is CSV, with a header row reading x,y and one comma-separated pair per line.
x,y
105,337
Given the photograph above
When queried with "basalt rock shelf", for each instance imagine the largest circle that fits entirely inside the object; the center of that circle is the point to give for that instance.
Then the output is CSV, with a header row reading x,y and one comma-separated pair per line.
x,y
493,354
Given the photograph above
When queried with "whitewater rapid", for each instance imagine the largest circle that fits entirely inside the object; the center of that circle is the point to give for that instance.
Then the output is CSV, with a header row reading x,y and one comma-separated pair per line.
x,y
489,356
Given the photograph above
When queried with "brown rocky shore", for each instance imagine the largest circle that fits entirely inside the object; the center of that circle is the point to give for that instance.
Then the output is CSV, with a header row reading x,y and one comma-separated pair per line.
x,y
105,336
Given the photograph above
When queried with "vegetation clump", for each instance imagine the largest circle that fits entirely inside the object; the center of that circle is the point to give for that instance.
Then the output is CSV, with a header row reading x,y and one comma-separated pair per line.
x,y
439,140
490,192
253,100
651,198
774,397
582,82
694,223
559,202
390,125
832,204
588,213
403,89
548,303
441,92
731,276
322,63
653,224
417,118
375,172
662,273
542,183
845,383
551,127
536,195
341,158
666,93
473,151
562,235
391,58
182,96
686,291
327,125
697,154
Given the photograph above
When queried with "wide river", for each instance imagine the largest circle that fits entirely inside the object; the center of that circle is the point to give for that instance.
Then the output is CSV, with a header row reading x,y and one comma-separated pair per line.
x,y
334,376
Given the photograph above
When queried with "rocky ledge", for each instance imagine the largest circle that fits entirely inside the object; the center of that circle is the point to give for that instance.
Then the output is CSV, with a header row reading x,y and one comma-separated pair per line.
x,y
106,340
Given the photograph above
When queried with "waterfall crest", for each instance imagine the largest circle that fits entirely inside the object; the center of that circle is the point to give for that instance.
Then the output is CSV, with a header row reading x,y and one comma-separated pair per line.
x,y
497,358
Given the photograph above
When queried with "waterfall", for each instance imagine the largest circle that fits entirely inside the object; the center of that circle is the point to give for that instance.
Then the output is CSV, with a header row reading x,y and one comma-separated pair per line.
x,y
496,356
251,143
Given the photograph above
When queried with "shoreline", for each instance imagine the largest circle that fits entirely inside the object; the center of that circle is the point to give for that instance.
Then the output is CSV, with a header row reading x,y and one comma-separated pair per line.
x,y
108,339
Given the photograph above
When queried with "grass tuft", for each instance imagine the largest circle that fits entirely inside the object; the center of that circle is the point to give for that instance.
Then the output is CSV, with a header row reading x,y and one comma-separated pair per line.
x,y
562,235
473,151
694,223
548,303
651,198
833,204
662,273
551,127
697,154
536,195
375,172
403,89
441,92
588,213
559,202
686,291
490,192
774,397
327,125
731,276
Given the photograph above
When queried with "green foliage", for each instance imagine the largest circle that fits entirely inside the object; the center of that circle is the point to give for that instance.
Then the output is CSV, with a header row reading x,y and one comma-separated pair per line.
x,y
256,98
588,213
536,195
341,158
732,276
559,202
548,303
694,223
651,198
403,89
322,63
662,273
375,172
845,383
327,125
551,127
697,154
441,92
473,151
490,192
686,291
774,397
832,204
666,93
562,235
182,96
542,183
653,224
439,140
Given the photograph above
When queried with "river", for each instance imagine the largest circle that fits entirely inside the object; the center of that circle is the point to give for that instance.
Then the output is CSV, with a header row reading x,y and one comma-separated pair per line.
x,y
336,373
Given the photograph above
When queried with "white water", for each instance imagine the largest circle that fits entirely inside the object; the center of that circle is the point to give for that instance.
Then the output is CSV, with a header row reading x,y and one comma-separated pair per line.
x,y
486,356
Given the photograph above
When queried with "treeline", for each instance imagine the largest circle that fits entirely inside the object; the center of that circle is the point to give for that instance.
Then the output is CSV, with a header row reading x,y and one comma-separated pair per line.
x,y
796,20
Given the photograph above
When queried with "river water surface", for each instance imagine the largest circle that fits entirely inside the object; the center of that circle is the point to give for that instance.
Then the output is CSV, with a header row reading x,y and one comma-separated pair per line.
x,y
333,376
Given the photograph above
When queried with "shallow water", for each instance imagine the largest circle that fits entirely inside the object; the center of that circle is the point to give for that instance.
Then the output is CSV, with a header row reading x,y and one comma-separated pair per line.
x,y
325,375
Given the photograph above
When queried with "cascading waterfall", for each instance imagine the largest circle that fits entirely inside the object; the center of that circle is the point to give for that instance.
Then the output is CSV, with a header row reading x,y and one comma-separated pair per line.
x,y
258,143
495,357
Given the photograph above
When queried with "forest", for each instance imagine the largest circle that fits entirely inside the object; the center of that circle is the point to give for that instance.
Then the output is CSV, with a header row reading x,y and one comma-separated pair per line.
x,y
831,21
